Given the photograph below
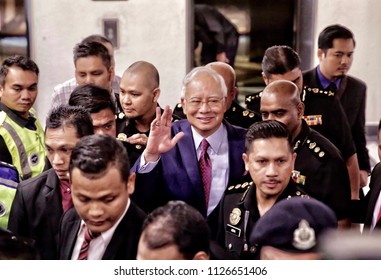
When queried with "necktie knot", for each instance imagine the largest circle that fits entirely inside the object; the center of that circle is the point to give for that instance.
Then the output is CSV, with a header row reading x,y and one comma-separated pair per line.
x,y
83,253
90,235
332,87
204,146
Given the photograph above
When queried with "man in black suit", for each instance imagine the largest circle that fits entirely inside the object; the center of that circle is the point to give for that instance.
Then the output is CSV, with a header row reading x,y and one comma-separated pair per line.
x,y
40,201
336,46
101,186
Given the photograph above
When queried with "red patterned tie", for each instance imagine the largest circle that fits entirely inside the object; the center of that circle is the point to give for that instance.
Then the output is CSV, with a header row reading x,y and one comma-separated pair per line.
x,y
205,169
86,243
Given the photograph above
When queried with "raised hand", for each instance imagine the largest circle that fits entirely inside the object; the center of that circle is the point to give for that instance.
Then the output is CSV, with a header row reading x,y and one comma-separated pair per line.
x,y
160,139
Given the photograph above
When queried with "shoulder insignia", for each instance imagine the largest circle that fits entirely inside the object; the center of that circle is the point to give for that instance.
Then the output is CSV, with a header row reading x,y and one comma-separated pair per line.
x,y
178,105
313,120
121,115
319,91
234,109
245,113
250,98
314,147
239,187
3,115
298,178
122,137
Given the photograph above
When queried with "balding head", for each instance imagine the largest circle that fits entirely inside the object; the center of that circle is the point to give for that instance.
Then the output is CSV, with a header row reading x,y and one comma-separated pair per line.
x,y
227,72
280,101
284,88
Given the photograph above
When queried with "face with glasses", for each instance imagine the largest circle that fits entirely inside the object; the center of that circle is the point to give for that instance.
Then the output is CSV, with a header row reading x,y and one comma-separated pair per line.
x,y
204,103
138,96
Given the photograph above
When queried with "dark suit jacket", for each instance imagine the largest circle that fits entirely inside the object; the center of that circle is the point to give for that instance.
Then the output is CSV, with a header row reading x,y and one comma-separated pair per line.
x,y
177,176
352,95
372,196
36,211
123,244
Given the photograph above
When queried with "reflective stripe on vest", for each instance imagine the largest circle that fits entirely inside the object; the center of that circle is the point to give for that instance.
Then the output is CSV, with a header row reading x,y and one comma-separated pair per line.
x,y
25,167
27,147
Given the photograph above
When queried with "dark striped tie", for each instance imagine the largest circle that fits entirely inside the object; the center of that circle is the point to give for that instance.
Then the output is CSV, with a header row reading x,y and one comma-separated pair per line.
x,y
86,243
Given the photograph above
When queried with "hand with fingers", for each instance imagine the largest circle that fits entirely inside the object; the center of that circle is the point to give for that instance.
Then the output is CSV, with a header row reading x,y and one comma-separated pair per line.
x,y
160,139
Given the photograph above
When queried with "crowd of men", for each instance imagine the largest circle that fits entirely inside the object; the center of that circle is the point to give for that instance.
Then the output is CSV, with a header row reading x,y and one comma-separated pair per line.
x,y
113,175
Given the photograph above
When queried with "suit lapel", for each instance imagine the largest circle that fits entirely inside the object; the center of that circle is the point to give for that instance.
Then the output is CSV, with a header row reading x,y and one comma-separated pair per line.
x,y
189,155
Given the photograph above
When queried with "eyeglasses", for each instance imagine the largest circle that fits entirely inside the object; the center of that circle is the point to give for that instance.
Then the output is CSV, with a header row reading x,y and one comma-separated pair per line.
x,y
212,102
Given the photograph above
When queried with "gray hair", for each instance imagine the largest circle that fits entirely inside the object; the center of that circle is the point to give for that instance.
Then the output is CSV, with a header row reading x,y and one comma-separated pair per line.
x,y
202,69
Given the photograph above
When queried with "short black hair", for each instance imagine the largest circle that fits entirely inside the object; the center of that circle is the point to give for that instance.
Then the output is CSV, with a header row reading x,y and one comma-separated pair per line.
x,y
93,98
331,32
180,224
279,60
94,154
266,130
96,38
92,48
70,116
20,61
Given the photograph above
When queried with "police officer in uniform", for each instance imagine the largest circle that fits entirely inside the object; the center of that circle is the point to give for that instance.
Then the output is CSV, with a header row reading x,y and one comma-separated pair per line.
x,y
269,159
322,111
319,166
235,114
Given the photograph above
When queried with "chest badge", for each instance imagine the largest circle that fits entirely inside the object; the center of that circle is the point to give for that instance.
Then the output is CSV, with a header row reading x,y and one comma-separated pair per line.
x,y
235,216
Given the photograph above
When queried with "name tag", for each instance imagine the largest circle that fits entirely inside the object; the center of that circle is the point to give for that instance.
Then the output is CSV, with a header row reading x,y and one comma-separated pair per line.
x,y
234,230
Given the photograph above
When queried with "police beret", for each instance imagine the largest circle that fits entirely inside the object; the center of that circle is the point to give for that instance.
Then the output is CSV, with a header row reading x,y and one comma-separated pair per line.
x,y
294,225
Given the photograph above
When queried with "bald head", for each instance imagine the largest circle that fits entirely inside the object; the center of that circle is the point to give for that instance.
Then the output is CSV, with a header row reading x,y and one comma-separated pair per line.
x,y
227,72
146,70
283,88
280,100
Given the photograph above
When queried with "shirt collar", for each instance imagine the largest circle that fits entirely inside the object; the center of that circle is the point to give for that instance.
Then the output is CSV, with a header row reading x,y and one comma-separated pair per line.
x,y
214,140
21,121
324,81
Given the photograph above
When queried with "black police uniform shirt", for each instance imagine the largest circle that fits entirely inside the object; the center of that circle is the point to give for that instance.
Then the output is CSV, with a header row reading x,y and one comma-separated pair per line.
x,y
238,215
235,115
134,150
324,113
352,97
321,170
253,102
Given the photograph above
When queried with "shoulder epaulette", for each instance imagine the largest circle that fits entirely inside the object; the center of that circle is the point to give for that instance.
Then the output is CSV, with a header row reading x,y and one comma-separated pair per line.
x,y
248,114
238,187
315,148
3,115
316,90
250,98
